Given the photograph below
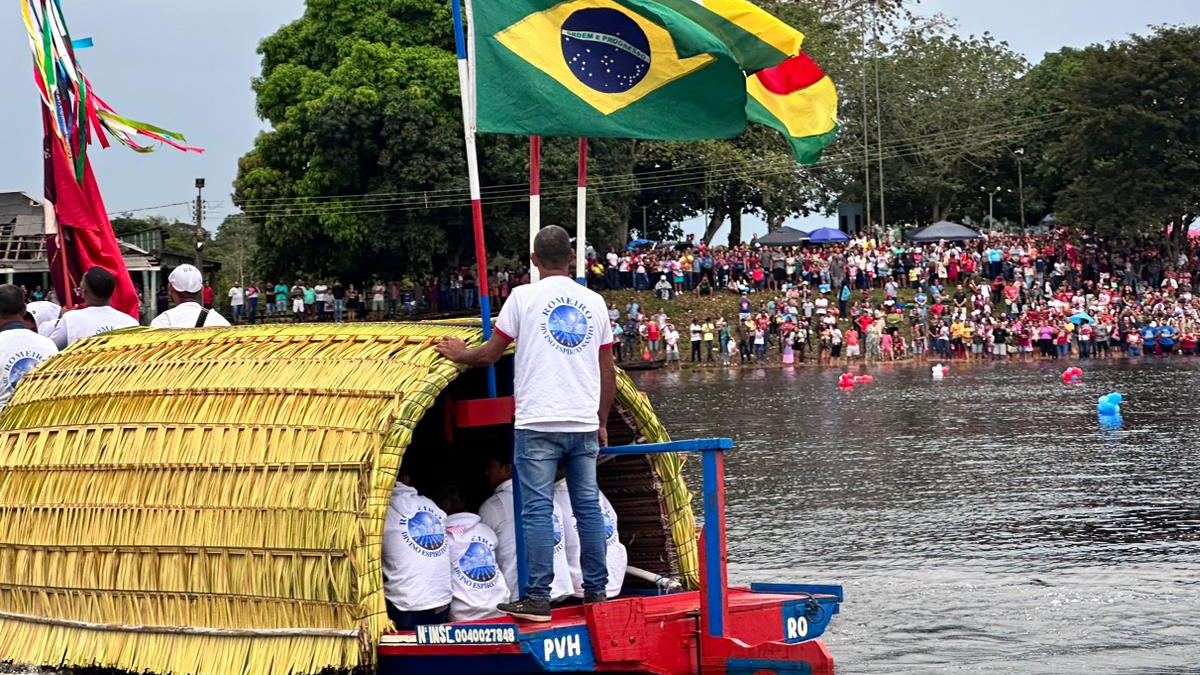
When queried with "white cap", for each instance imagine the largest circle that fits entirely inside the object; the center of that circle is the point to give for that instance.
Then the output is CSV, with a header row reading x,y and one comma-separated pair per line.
x,y
186,279
43,311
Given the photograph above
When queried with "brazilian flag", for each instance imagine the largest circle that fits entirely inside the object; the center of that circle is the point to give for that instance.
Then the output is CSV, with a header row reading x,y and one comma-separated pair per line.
x,y
617,68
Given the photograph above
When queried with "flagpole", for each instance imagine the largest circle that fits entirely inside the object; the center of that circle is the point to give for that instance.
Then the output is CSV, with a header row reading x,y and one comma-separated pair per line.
x,y
535,196
466,91
581,215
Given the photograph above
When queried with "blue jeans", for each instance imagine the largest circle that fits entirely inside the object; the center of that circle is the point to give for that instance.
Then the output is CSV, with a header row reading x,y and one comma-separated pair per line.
x,y
339,307
536,461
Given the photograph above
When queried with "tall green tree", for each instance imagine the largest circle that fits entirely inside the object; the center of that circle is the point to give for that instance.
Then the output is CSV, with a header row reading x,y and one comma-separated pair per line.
x,y
362,171
1129,157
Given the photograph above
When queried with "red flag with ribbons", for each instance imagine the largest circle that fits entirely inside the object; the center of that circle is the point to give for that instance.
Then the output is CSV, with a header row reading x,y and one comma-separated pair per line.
x,y
79,235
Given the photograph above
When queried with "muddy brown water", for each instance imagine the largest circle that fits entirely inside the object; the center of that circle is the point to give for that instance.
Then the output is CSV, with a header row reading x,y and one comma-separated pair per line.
x,y
986,523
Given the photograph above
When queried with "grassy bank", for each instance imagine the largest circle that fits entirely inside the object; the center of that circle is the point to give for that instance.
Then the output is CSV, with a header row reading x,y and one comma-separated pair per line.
x,y
685,307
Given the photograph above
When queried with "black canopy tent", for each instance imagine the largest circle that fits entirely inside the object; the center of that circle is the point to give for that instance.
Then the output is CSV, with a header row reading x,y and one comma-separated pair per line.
x,y
943,231
784,236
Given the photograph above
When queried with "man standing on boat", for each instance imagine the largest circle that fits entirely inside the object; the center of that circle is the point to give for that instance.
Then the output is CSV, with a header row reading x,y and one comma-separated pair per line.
x,y
184,285
564,385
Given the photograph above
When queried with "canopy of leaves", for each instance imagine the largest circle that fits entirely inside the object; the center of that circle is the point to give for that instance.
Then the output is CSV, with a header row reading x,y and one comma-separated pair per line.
x,y
1129,158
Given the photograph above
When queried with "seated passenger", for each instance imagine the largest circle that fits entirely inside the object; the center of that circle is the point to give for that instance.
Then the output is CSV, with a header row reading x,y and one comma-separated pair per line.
x,y
97,288
497,513
416,563
616,557
475,579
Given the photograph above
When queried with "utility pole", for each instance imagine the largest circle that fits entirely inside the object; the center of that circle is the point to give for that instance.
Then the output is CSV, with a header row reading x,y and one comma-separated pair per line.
x,y
1020,152
878,115
200,225
865,131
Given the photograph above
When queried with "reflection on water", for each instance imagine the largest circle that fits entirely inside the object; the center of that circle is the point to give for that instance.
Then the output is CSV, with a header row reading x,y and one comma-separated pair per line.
x,y
986,523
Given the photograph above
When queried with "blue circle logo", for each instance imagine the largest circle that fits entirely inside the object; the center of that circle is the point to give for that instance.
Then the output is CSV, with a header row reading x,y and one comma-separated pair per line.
x,y
605,49
558,530
568,326
610,523
425,529
478,562
20,369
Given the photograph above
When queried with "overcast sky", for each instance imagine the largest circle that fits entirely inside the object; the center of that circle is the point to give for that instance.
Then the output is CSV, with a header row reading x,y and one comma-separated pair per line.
x,y
187,65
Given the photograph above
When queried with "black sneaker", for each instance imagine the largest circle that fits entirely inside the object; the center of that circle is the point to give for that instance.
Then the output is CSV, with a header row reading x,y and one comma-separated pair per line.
x,y
594,598
530,609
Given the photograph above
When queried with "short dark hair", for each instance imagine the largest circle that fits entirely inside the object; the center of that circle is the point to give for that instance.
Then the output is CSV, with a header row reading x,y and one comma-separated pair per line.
x,y
12,301
100,282
553,246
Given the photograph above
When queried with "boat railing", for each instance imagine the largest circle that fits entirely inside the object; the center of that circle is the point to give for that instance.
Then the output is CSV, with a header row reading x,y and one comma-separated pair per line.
x,y
714,601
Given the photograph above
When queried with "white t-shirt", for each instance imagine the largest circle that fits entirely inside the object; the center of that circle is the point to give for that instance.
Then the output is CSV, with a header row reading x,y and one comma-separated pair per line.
x,y
616,556
21,350
185,315
416,561
84,323
236,297
497,513
43,312
322,292
476,583
560,328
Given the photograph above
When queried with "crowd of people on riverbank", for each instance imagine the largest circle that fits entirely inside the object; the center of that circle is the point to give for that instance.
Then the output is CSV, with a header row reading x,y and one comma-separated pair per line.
x,y
1018,297
1005,296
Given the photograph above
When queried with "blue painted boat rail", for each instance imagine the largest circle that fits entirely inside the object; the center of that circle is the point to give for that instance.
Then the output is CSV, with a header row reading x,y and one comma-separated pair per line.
x,y
714,601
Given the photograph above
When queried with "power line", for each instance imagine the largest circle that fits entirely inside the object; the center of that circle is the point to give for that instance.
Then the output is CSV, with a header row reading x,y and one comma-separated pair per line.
x,y
904,150
251,205
147,208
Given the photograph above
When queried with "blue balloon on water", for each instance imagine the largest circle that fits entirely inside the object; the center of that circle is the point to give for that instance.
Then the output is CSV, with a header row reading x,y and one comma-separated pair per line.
x,y
1110,422
1106,408
1115,398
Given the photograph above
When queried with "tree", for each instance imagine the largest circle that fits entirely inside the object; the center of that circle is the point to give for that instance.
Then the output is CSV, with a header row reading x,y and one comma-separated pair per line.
x,y
362,171
235,246
1129,155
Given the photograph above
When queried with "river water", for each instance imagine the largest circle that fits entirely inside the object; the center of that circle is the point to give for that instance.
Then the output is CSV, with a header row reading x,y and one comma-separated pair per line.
x,y
981,524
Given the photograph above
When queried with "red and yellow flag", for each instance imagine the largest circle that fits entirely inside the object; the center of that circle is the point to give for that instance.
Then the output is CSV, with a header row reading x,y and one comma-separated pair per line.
x,y
798,99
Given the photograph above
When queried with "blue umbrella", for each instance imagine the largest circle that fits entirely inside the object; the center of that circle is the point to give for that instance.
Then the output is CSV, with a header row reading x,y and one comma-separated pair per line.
x,y
638,243
1080,317
827,235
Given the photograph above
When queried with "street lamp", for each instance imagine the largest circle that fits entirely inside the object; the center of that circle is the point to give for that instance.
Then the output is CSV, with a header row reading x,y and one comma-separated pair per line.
x,y
1020,153
991,199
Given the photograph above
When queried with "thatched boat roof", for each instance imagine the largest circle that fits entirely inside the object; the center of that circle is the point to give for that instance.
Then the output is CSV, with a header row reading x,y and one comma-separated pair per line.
x,y
211,501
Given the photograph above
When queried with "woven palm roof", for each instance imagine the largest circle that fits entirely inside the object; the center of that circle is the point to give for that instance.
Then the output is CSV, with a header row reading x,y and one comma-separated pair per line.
x,y
211,501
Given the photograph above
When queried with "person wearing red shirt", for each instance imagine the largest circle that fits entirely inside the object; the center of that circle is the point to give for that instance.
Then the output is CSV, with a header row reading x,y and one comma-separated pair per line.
x,y
206,295
652,335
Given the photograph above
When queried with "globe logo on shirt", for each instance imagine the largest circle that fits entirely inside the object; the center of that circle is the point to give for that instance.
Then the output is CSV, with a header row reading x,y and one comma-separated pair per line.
x,y
610,523
478,562
558,531
426,531
19,369
567,326
605,49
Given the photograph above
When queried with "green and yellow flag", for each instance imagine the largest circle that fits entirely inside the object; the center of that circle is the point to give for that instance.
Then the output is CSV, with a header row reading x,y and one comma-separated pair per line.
x,y
787,90
617,68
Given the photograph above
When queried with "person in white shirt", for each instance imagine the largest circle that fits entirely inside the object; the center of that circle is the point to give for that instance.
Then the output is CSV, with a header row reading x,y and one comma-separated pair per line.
x,y
237,299
415,559
21,349
476,583
323,300
97,287
497,513
564,383
45,315
184,286
616,556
